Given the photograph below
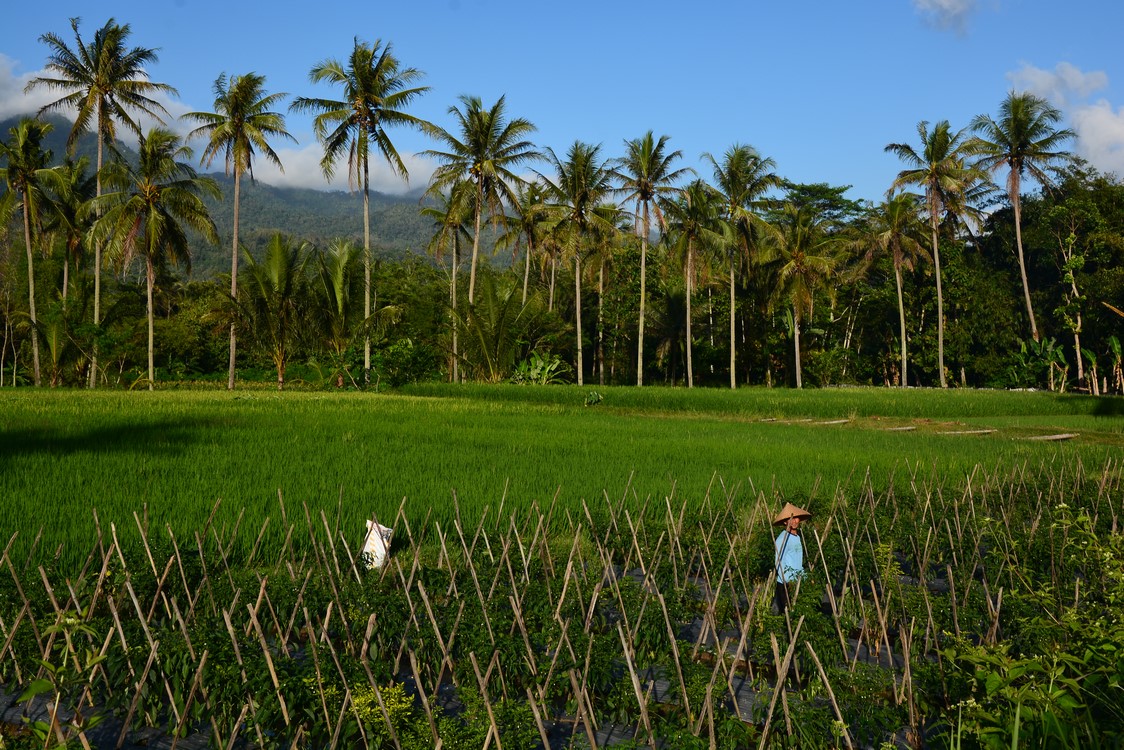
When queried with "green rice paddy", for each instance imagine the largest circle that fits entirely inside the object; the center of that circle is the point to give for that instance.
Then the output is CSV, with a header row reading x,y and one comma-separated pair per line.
x,y
440,451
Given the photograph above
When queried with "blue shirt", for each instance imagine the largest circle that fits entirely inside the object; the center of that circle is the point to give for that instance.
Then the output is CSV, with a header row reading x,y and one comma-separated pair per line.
x,y
789,558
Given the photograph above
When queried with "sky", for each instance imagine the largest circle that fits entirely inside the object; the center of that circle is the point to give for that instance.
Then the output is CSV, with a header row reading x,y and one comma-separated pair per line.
x,y
820,86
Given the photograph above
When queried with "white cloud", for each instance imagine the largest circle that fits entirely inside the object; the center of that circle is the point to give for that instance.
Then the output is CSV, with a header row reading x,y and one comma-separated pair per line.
x,y
13,102
1100,135
946,14
1066,83
302,169
1099,125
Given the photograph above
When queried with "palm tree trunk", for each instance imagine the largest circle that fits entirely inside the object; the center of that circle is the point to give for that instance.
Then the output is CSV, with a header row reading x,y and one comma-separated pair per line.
x,y
553,268
366,269
475,242
1015,203
901,318
527,270
940,296
97,256
578,308
234,282
796,344
150,278
733,342
601,324
453,311
31,288
690,362
643,295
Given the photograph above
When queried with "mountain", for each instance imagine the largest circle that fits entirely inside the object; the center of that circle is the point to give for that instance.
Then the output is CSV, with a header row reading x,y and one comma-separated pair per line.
x,y
313,215
317,216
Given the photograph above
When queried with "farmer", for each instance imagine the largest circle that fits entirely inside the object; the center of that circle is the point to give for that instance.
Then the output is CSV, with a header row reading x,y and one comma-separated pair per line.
x,y
789,559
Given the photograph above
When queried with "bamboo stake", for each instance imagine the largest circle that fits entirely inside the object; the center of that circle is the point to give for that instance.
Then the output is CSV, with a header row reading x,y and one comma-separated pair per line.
x,y
269,663
641,698
780,684
493,727
579,696
830,695
195,685
136,696
437,742
676,657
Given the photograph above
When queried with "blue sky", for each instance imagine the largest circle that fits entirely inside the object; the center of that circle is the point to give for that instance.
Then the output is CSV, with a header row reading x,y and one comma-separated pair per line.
x,y
821,86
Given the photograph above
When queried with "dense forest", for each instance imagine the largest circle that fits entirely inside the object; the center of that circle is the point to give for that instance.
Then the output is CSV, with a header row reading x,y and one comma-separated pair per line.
x,y
1003,268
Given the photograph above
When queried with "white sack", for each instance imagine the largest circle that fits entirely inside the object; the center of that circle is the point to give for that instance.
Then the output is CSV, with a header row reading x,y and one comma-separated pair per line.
x,y
376,546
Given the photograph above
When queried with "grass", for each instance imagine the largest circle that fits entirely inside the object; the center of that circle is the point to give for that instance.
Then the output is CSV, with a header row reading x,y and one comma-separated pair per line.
x,y
170,456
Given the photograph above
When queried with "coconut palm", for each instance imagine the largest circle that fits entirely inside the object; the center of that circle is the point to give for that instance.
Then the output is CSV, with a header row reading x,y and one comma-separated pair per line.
x,y
149,208
695,224
941,170
487,147
376,91
1026,140
450,227
273,299
335,309
70,186
241,124
741,179
647,176
526,223
23,174
895,229
499,329
582,182
805,254
104,82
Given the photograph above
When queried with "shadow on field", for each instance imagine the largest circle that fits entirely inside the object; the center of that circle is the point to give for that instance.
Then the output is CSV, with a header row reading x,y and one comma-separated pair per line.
x,y
161,437
1109,406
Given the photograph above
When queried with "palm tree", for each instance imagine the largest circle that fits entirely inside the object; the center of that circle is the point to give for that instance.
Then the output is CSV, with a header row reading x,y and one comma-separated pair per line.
x,y
895,229
940,168
805,252
376,91
242,122
335,309
450,225
148,209
578,191
103,82
24,175
488,148
273,300
499,329
647,176
695,223
527,223
70,187
742,178
1026,141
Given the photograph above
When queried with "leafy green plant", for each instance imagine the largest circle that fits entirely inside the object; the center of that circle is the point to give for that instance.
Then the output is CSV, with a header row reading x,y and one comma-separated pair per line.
x,y
67,673
540,369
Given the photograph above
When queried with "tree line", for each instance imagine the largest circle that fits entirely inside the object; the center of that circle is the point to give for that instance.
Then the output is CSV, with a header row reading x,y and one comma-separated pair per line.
x,y
626,268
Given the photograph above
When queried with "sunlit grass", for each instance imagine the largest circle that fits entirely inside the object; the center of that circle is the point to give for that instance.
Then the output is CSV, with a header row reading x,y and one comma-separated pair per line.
x,y
170,456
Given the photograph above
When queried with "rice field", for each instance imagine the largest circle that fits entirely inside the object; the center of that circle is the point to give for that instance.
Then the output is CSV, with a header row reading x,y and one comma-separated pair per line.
x,y
563,575
70,461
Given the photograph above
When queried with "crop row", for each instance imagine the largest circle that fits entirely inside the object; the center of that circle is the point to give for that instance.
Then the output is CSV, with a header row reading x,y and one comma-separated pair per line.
x,y
975,612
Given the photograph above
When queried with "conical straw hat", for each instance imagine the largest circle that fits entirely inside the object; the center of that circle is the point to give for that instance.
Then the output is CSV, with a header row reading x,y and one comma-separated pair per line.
x,y
788,511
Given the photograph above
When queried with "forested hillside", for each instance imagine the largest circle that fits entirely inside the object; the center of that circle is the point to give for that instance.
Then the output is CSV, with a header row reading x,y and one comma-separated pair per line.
x,y
313,215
